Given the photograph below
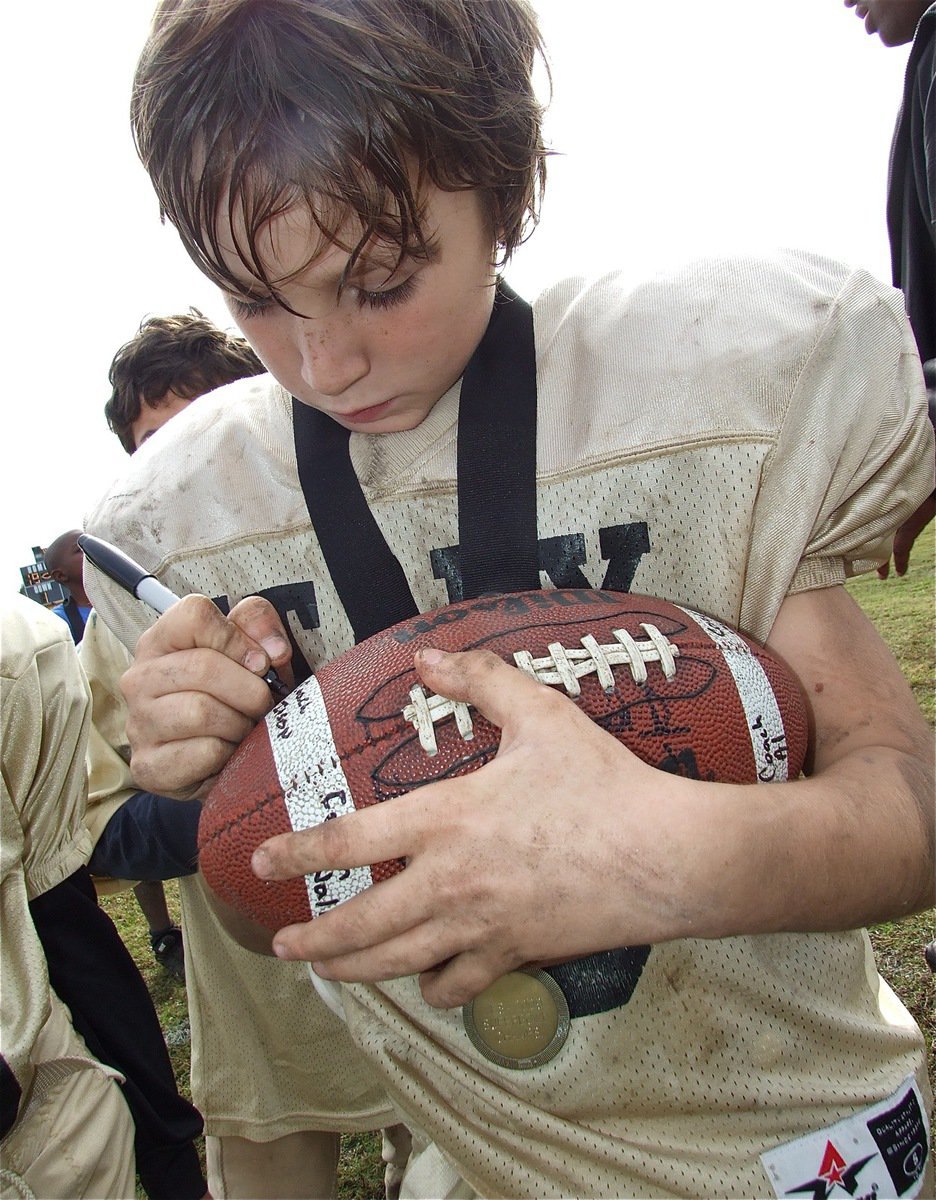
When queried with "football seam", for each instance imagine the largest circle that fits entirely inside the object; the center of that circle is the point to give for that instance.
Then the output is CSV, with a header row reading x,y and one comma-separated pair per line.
x,y
702,647
233,823
377,741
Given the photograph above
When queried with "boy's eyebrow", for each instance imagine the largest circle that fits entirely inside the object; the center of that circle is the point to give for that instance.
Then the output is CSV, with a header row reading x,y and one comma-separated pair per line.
x,y
388,257
247,291
381,256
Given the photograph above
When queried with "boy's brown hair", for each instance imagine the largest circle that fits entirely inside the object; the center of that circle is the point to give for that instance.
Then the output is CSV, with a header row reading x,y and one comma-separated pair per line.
x,y
243,108
185,354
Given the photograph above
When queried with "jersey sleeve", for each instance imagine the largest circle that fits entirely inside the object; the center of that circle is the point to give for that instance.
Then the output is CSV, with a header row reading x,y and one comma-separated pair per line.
x,y
45,720
43,726
854,452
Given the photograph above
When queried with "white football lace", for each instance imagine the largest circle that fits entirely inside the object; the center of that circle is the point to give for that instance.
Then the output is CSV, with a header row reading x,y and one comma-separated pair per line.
x,y
561,667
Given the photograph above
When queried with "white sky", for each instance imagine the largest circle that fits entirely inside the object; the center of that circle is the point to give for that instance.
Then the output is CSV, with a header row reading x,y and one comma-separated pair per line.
x,y
685,127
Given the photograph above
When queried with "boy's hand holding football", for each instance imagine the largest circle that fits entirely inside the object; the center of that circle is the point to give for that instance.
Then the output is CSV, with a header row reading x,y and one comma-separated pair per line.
x,y
566,843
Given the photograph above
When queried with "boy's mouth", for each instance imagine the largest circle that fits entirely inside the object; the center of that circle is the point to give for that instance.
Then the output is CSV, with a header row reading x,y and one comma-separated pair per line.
x,y
365,415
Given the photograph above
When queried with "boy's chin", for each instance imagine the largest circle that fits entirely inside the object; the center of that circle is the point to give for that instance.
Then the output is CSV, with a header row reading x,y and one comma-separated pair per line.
x,y
393,422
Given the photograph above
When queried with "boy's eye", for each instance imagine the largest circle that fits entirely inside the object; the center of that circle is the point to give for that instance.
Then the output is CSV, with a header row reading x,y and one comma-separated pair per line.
x,y
389,296
248,307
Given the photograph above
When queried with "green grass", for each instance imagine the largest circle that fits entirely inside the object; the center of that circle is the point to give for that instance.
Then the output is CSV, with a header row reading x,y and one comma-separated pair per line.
x,y
902,610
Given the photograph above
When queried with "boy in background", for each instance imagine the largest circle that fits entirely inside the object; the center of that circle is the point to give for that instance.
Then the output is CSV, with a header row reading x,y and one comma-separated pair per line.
x,y
911,199
169,362
65,562
350,175
274,1132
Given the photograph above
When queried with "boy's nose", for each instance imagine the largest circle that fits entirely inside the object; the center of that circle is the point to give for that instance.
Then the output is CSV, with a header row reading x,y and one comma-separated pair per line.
x,y
333,358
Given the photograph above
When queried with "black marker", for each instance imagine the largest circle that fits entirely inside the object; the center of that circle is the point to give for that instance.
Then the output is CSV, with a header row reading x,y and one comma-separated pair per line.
x,y
146,587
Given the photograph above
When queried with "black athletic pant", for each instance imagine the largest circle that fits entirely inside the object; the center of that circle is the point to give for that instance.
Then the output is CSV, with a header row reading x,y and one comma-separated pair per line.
x,y
149,837
92,972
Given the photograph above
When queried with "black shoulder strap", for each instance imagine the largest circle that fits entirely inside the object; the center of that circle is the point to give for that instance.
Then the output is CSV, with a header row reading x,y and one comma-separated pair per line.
x,y
367,575
497,456
74,618
496,483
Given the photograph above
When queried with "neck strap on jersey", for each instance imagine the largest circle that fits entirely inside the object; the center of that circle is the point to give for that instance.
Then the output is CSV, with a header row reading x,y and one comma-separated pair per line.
x,y
496,484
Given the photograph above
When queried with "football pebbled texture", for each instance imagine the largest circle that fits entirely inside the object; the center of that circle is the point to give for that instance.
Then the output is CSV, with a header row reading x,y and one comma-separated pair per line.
x,y
684,692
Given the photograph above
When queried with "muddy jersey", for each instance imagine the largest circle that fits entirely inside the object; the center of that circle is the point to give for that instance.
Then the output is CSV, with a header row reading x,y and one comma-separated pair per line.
x,y
722,436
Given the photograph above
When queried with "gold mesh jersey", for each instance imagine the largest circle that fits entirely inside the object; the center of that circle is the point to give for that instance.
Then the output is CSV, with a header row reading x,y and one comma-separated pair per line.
x,y
51,1085
44,725
721,436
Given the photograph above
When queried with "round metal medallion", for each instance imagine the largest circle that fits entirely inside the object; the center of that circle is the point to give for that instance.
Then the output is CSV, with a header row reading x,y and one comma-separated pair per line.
x,y
521,1021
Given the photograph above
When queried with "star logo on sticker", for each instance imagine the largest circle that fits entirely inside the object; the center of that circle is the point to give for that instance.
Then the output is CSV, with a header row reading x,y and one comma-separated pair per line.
x,y
834,1172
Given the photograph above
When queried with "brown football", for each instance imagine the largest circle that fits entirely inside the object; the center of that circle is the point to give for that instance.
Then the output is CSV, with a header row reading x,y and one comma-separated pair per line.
x,y
684,692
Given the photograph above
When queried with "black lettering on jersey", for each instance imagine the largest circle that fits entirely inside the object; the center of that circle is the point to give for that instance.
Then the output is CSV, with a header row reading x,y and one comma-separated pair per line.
x,y
623,546
446,565
298,599
602,981
562,558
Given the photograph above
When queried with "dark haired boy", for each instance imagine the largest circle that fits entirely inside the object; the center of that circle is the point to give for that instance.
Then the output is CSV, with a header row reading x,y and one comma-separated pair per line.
x,y
265,1136
168,363
740,436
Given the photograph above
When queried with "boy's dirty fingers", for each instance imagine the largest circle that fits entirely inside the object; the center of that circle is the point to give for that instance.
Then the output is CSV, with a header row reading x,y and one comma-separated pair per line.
x,y
376,834
243,635
181,770
479,678
461,979
180,732
507,696
380,934
196,688
260,622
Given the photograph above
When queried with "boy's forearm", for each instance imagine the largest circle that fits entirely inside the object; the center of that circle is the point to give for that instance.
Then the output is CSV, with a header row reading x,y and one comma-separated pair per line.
x,y
846,848
852,843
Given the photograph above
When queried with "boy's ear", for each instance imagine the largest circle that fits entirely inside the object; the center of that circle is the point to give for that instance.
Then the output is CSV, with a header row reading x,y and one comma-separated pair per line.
x,y
59,575
495,223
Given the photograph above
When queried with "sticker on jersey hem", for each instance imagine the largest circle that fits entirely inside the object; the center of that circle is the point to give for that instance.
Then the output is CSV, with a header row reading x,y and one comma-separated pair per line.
x,y
879,1153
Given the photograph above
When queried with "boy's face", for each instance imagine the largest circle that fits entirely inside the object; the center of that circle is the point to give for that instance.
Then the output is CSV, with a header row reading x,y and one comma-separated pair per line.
x,y
894,21
377,359
70,565
154,416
